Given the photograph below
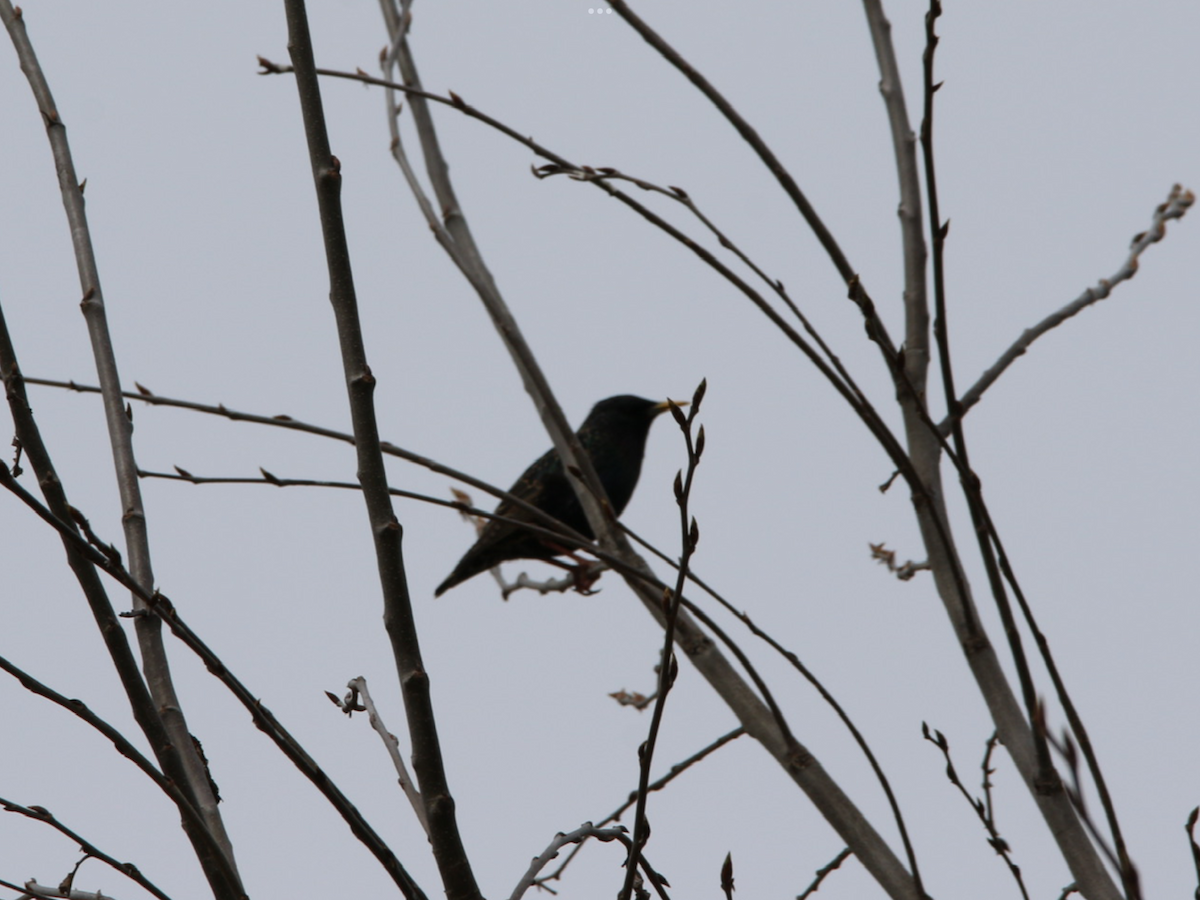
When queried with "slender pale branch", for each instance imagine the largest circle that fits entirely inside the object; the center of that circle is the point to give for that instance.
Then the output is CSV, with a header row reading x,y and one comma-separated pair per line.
x,y
1176,205
358,689
157,671
453,233
916,303
676,770
580,834
925,445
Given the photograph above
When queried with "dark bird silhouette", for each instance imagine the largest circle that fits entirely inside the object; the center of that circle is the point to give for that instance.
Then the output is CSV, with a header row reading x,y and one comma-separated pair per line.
x,y
614,436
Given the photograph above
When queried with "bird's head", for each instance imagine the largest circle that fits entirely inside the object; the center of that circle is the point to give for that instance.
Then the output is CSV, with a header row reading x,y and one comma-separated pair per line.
x,y
628,408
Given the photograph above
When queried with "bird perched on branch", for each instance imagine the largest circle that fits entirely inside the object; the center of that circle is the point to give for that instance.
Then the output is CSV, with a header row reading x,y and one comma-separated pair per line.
x,y
614,436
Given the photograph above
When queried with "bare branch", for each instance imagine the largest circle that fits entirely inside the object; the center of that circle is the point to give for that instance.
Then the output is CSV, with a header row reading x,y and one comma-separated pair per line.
x,y
679,195
676,770
582,833
981,808
358,688
167,706
129,870
448,850
1120,858
31,890
291,424
158,604
748,133
916,302
80,710
1176,205
1190,827
689,536
822,872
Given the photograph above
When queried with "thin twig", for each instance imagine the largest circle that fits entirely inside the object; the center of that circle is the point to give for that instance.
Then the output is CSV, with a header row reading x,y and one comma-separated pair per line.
x,y
676,770
749,134
358,689
289,423
1176,205
577,837
679,195
812,679
982,808
1129,874
564,536
970,482
822,872
689,536
123,746
129,870
1190,828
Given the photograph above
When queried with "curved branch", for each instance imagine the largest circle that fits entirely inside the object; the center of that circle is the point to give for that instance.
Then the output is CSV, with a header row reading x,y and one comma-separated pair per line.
x,y
129,870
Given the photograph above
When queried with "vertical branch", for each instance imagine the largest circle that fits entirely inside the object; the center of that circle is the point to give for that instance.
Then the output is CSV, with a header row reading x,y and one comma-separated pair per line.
x,y
990,548
924,444
448,850
668,667
120,431
1046,774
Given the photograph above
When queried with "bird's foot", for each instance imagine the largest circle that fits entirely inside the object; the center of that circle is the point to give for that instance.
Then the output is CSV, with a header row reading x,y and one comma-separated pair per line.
x,y
585,574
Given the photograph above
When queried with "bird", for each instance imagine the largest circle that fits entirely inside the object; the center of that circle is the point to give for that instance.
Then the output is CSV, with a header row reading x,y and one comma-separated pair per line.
x,y
614,436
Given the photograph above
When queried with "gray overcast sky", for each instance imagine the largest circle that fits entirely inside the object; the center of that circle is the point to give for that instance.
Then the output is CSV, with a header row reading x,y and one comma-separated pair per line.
x,y
1060,127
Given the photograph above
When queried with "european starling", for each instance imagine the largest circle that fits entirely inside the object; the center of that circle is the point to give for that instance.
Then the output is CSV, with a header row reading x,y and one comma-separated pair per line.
x,y
614,436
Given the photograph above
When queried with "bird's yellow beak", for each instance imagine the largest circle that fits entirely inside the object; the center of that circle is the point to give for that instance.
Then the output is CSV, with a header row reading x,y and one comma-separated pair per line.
x,y
666,404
